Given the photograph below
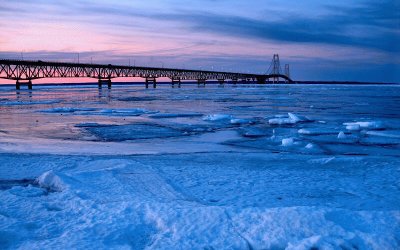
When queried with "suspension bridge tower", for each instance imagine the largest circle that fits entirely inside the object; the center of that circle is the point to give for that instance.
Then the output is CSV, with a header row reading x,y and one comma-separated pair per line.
x,y
276,68
275,71
287,72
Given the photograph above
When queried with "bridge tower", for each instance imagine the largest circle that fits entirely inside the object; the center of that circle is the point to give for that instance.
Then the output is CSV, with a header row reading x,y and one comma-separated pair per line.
x,y
287,71
276,68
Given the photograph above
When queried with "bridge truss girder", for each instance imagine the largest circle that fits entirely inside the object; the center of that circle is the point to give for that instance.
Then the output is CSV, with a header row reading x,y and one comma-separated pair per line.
x,y
30,70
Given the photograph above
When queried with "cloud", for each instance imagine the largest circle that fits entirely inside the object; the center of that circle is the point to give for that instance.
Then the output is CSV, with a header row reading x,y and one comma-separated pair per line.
x,y
173,32
372,26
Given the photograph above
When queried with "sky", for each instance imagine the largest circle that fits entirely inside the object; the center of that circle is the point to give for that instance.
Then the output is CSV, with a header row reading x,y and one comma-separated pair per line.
x,y
341,40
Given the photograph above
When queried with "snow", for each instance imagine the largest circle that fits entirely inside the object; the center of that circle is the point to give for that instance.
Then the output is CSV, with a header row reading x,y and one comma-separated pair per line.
x,y
147,202
50,181
130,168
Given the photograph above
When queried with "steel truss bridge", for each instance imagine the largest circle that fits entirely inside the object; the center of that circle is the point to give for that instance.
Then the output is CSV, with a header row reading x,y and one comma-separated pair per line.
x,y
23,72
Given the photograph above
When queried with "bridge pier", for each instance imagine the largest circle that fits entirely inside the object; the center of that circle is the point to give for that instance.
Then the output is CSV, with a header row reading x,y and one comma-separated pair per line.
x,y
151,80
101,81
221,82
19,83
261,80
201,82
234,81
176,80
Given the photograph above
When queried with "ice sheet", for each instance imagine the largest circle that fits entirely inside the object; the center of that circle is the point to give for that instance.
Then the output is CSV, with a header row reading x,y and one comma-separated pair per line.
x,y
200,168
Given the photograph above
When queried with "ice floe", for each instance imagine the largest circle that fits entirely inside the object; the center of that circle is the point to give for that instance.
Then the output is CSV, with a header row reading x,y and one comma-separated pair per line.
x,y
317,131
380,141
289,119
90,124
124,112
387,133
365,125
287,142
177,115
353,127
313,148
254,132
132,131
66,110
139,99
217,117
238,121
340,138
100,112
341,135
17,103
310,146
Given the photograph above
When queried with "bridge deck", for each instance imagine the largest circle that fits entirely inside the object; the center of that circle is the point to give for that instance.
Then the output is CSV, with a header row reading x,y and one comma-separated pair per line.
x,y
23,70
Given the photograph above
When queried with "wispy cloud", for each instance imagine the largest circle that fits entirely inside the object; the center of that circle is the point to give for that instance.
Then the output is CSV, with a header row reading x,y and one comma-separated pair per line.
x,y
356,34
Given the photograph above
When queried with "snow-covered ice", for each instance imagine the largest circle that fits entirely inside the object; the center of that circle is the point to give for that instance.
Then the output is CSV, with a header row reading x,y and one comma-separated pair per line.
x,y
365,124
287,142
217,117
289,119
200,168
49,180
341,135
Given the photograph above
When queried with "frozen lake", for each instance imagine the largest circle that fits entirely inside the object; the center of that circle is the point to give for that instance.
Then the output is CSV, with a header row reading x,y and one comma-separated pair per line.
x,y
246,167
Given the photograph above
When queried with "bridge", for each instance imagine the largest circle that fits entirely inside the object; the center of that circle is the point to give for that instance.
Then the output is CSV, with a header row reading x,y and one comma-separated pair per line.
x,y
24,72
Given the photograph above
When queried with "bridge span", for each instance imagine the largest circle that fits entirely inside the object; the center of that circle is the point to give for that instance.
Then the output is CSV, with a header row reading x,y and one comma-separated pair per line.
x,y
24,72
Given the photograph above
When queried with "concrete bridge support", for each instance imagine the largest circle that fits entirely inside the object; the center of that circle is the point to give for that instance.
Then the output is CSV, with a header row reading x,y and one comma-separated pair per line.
x,y
234,81
261,80
151,80
176,80
19,83
221,82
201,82
105,81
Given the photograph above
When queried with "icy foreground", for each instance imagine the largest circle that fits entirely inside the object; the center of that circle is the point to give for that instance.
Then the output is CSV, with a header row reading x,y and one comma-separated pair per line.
x,y
210,168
